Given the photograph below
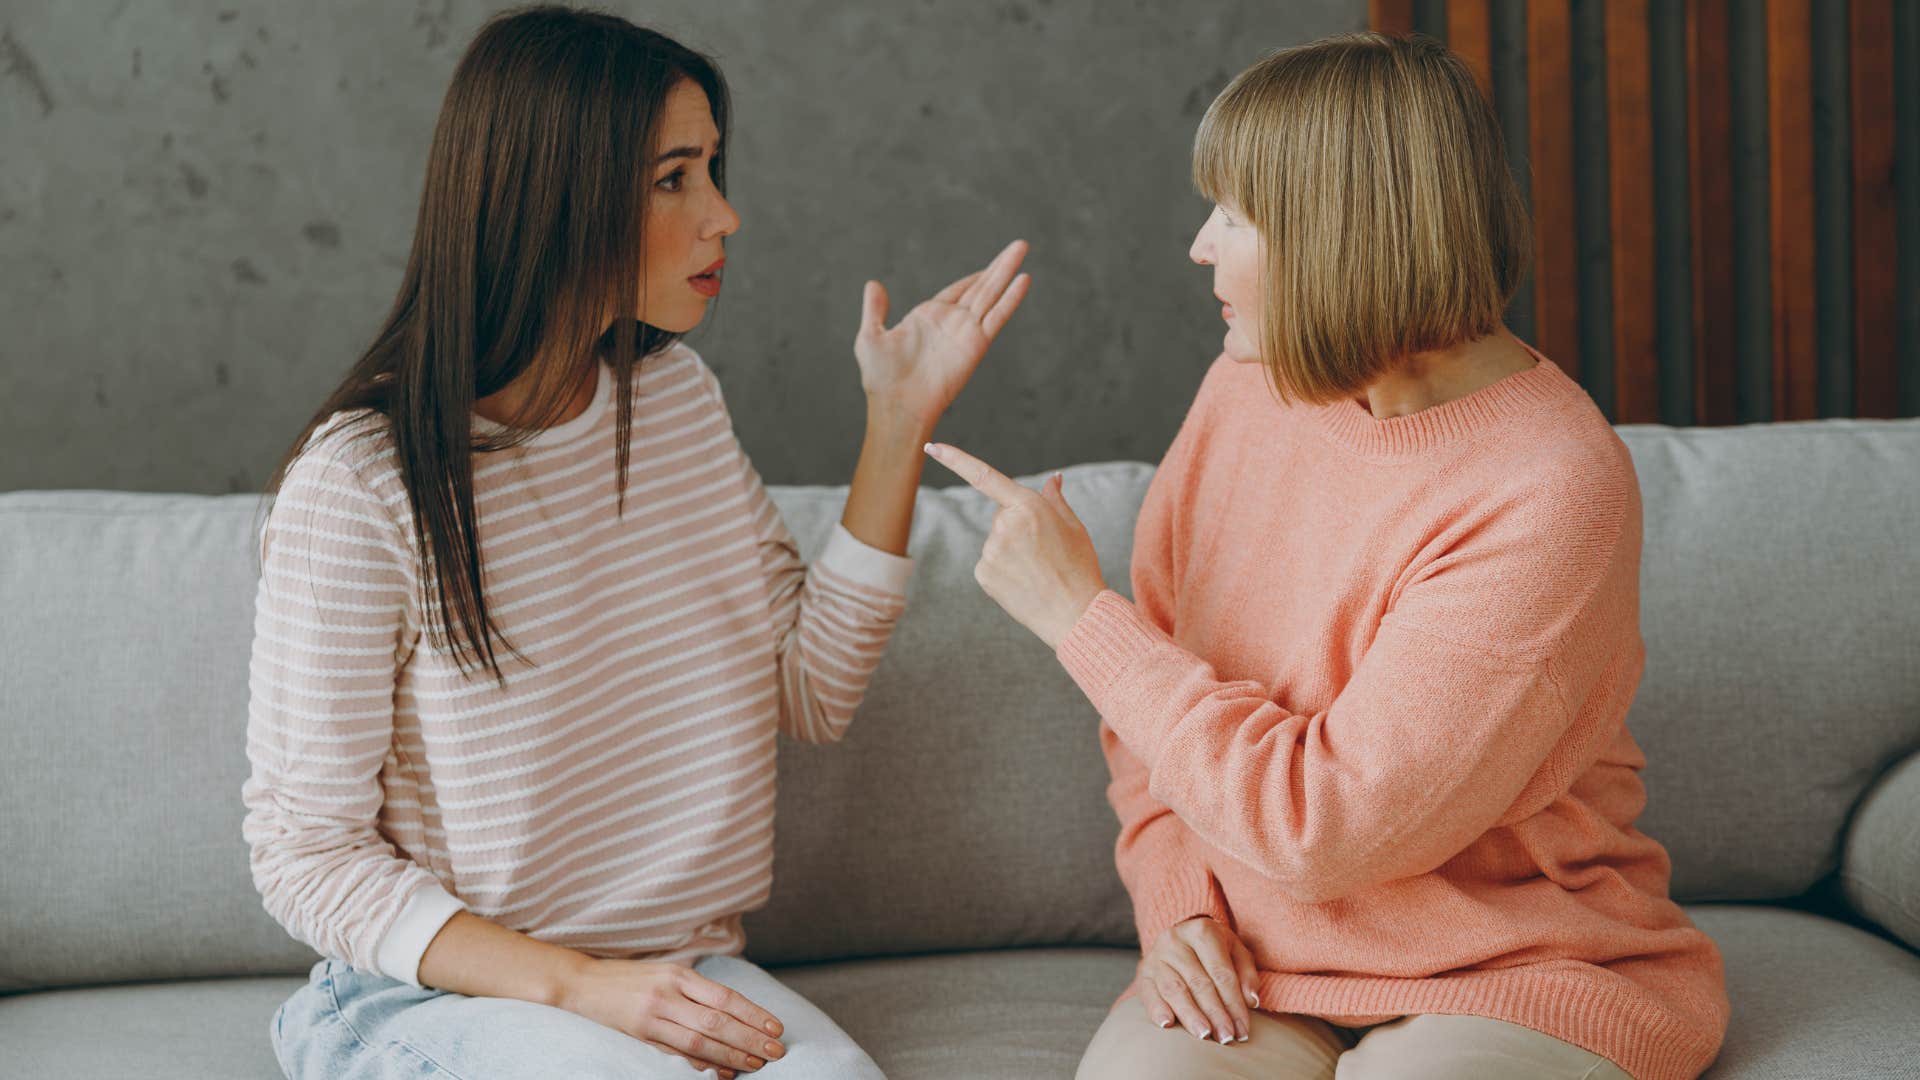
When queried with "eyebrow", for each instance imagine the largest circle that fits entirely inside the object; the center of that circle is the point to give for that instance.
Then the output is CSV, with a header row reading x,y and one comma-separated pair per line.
x,y
683,152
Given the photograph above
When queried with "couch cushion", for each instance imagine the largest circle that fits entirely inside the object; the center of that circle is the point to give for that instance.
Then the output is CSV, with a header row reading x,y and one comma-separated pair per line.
x,y
1780,603
1813,999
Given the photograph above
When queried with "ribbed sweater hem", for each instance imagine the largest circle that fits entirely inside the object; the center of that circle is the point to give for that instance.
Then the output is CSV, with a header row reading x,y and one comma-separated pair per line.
x,y
1569,1006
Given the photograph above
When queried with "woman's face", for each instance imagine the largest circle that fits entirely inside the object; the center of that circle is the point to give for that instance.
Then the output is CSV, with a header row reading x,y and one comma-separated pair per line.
x,y
1231,245
687,217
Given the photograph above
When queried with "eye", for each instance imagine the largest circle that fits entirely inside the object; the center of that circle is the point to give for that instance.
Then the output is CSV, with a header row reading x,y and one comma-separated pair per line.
x,y
671,181
1227,217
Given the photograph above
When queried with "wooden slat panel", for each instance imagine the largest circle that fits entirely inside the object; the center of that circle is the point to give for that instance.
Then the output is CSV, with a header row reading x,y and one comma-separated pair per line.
x,y
1470,33
1636,339
1796,354
1716,372
1875,251
1391,17
1556,237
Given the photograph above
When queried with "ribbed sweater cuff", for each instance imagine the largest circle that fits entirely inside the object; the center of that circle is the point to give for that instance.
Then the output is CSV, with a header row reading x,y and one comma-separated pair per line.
x,y
864,564
1176,897
1110,638
424,913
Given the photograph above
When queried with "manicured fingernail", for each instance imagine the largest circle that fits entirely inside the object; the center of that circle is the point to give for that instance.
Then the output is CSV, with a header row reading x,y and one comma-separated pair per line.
x,y
1226,1037
931,449
1204,1033
1253,999
1166,1021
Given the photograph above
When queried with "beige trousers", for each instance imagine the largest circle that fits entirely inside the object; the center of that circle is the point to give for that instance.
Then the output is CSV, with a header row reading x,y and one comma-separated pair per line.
x,y
1285,1046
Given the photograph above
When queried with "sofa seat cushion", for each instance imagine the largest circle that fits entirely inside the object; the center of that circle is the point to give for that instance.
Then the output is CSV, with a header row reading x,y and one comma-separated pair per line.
x,y
1812,999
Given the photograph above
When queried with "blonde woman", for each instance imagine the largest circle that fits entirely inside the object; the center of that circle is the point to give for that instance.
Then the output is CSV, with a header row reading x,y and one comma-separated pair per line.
x,y
1365,713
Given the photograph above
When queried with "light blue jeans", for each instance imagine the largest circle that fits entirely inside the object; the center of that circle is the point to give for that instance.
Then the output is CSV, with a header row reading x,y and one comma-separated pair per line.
x,y
352,1025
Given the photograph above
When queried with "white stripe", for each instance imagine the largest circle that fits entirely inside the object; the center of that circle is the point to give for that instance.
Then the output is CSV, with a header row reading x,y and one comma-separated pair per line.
x,y
644,783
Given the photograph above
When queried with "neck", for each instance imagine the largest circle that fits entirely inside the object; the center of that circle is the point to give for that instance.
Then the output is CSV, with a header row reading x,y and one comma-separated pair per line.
x,y
505,405
1434,378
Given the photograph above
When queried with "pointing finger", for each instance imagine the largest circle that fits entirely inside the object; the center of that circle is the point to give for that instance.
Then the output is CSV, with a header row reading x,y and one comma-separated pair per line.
x,y
984,478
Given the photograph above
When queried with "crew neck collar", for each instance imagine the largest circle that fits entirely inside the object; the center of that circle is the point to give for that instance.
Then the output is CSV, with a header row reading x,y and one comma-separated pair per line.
x,y
1350,424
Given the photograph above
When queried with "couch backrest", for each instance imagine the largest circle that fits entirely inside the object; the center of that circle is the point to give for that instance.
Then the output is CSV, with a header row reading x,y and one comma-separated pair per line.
x,y
1781,608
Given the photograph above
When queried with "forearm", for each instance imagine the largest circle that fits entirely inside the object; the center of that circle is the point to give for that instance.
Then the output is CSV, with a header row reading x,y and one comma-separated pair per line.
x,y
879,509
480,958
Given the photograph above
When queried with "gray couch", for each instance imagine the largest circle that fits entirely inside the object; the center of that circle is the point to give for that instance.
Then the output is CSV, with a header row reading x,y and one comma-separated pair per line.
x,y
944,884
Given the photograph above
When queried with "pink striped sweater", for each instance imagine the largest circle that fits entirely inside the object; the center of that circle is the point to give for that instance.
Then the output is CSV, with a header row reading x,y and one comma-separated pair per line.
x,y
617,796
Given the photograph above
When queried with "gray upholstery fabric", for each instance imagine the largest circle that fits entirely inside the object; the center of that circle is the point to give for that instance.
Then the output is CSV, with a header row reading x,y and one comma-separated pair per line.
x,y
1880,873
967,806
1781,605
1780,602
125,627
1813,1000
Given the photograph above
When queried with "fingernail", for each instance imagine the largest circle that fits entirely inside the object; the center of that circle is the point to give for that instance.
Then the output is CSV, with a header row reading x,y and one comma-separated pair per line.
x,y
773,1026
754,1063
773,1049
1166,1021
1243,1038
1253,999
1226,1037
1205,1033
931,449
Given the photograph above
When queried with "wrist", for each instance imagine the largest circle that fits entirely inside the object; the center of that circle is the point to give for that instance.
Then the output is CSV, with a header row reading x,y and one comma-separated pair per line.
x,y
560,988
891,423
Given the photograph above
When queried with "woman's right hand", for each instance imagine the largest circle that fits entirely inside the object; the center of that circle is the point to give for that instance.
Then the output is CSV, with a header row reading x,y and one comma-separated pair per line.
x,y
1201,974
676,1010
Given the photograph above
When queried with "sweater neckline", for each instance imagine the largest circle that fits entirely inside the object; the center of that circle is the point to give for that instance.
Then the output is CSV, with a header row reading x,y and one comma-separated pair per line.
x,y
1350,424
567,431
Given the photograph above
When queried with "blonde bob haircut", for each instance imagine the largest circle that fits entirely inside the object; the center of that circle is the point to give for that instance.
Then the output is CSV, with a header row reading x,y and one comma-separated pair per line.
x,y
1374,171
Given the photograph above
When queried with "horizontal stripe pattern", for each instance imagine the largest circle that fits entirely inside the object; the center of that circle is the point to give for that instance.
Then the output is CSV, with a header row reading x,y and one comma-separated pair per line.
x,y
616,795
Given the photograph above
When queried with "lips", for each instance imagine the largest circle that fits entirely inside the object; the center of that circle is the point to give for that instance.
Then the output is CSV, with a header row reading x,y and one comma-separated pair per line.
x,y
707,282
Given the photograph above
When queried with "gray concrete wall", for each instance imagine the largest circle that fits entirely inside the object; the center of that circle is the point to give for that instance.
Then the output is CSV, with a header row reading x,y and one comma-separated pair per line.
x,y
204,211
205,207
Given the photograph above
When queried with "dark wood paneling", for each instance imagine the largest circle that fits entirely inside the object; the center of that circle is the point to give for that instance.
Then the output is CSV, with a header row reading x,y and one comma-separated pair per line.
x,y
1391,16
1556,237
1636,330
1470,34
1795,313
1716,374
1875,215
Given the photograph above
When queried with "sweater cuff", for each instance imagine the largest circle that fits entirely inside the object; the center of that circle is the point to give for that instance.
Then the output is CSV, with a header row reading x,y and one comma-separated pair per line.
x,y
1174,899
864,564
424,913
1110,638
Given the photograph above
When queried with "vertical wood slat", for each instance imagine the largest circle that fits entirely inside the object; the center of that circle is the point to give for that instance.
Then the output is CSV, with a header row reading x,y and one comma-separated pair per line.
x,y
1875,253
1470,34
1556,230
1390,17
1716,372
1791,222
1636,340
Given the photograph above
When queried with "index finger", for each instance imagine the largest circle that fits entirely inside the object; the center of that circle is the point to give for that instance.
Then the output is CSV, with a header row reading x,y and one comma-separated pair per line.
x,y
984,478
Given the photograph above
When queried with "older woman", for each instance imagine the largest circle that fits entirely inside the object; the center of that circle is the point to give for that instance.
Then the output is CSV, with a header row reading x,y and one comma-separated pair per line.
x,y
1366,711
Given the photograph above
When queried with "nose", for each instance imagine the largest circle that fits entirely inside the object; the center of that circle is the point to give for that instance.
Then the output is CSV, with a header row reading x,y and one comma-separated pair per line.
x,y
1201,251
722,219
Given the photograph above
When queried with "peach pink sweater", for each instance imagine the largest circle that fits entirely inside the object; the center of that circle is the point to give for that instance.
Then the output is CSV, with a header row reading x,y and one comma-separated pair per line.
x,y
1368,707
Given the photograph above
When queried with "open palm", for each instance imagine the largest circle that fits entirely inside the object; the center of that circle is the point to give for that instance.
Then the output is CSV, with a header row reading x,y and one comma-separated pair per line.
x,y
920,364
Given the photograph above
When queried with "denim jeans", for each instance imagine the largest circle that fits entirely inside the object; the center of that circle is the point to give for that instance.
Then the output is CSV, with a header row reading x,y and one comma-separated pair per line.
x,y
352,1025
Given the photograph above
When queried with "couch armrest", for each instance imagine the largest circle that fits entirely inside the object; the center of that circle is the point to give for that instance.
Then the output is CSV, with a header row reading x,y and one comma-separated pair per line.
x,y
1880,863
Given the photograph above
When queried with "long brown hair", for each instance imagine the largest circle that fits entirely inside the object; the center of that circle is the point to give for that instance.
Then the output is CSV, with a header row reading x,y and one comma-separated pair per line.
x,y
528,242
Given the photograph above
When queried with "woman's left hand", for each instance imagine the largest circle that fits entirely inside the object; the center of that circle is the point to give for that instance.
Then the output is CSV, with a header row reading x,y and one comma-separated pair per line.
x,y
917,368
1038,562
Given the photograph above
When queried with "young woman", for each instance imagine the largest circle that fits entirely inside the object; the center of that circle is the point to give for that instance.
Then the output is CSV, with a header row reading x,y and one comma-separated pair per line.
x,y
1365,712
528,622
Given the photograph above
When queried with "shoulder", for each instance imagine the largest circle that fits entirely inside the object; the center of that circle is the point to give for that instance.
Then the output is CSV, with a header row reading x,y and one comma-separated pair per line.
x,y
348,469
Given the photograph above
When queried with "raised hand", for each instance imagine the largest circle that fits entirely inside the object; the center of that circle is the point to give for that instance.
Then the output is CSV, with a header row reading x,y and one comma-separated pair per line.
x,y
1038,562
917,368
